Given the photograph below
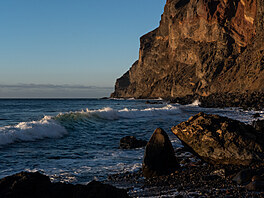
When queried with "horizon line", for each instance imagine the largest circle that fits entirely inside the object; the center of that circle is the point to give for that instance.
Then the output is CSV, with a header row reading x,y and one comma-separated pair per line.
x,y
53,86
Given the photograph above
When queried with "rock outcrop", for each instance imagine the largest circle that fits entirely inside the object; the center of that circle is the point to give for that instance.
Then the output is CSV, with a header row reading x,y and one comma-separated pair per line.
x,y
252,179
201,47
220,140
130,142
259,125
32,185
159,158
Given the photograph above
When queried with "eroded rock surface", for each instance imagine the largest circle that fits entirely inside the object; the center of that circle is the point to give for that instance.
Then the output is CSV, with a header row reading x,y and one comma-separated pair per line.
x,y
201,47
220,140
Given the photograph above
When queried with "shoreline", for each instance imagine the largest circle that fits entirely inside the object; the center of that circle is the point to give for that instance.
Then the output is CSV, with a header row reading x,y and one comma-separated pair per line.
x,y
238,173
195,178
248,100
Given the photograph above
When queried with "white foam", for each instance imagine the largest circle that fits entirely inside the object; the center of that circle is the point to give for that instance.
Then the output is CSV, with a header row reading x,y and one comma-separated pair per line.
x,y
108,113
48,127
31,131
195,103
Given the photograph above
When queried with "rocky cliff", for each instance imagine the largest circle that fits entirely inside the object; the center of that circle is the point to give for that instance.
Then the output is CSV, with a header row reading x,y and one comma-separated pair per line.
x,y
201,47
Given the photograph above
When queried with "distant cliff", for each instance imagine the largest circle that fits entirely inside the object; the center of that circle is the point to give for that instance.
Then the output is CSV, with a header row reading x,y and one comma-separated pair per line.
x,y
201,47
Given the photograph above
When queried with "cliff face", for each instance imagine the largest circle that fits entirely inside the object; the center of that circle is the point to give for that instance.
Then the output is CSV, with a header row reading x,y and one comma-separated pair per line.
x,y
201,47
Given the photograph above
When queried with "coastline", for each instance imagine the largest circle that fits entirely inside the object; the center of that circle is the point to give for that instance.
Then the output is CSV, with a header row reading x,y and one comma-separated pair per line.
x,y
203,55
248,100
195,178
226,174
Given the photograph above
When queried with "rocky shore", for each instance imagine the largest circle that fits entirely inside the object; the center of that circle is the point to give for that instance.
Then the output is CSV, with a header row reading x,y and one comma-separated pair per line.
x,y
220,157
211,52
194,179
249,100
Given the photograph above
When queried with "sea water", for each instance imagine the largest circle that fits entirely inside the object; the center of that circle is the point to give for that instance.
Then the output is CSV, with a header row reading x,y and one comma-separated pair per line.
x,y
76,140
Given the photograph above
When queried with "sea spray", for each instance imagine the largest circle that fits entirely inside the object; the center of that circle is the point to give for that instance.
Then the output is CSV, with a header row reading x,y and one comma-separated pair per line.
x,y
31,131
196,103
54,127
79,145
108,113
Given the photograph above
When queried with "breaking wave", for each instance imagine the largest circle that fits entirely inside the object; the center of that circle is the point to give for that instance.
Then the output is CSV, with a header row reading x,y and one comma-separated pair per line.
x,y
196,103
108,113
54,127
31,131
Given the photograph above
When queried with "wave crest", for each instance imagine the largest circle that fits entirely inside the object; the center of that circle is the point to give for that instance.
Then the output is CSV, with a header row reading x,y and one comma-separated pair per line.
x,y
31,131
55,127
107,113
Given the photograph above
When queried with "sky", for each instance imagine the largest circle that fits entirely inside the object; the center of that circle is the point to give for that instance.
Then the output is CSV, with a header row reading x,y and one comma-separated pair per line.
x,y
70,48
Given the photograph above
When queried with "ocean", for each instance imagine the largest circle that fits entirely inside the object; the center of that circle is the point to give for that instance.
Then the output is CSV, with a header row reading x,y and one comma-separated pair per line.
x,y
76,140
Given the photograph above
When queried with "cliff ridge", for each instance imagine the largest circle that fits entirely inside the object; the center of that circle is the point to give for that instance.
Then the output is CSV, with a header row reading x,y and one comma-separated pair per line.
x,y
201,47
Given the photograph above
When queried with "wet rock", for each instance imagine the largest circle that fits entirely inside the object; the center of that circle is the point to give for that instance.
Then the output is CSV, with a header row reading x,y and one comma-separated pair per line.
x,y
220,140
191,179
210,177
257,178
97,189
152,102
130,142
255,186
247,100
243,176
32,185
220,173
159,157
104,98
189,99
185,161
259,125
256,115
25,184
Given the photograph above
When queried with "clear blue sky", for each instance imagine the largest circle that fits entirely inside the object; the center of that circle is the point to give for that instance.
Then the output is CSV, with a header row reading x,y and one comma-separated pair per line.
x,y
70,42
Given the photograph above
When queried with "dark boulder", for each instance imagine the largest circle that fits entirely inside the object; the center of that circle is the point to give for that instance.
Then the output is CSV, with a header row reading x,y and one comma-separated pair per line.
x,y
188,99
130,142
104,98
97,189
159,158
257,181
257,178
25,184
152,102
220,140
32,185
256,115
243,176
255,186
259,125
